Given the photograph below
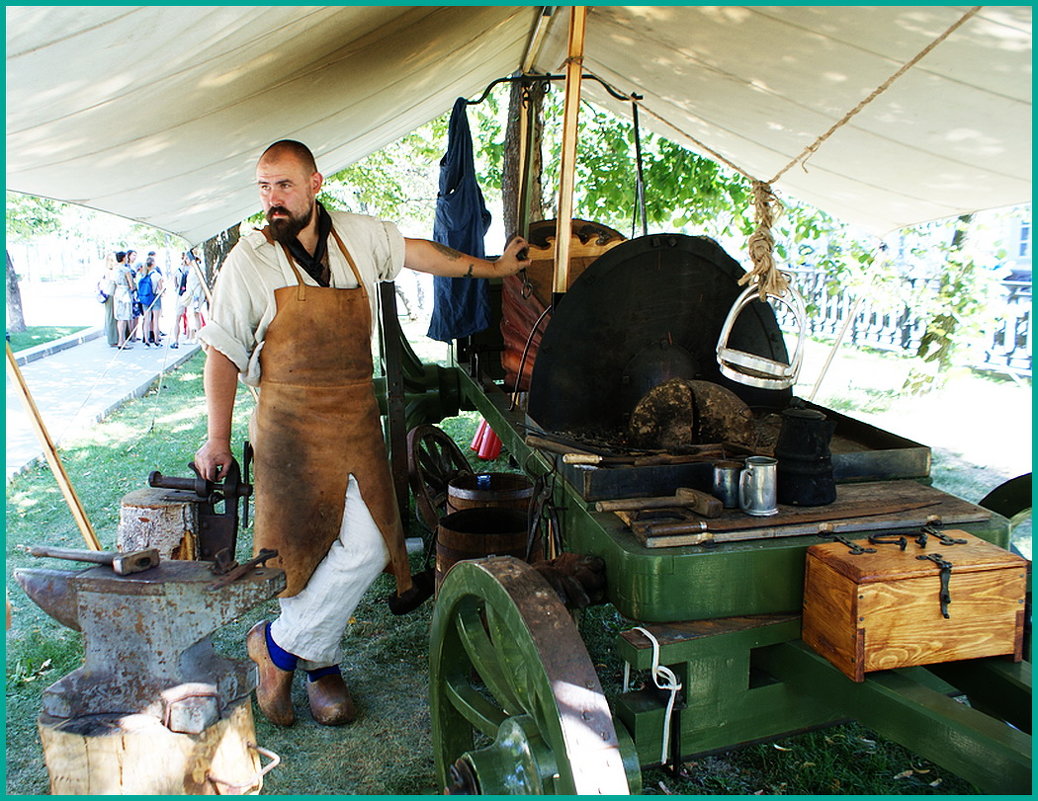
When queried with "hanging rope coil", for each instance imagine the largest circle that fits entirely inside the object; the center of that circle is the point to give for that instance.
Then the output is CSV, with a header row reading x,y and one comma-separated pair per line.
x,y
767,208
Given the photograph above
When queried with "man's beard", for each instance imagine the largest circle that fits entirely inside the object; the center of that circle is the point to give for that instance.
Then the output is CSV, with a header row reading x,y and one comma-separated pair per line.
x,y
286,229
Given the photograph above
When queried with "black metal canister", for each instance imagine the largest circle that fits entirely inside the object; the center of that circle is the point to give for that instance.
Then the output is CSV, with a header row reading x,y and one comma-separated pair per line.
x,y
805,466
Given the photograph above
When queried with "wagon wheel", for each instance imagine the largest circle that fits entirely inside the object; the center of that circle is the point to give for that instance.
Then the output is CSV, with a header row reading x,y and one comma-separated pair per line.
x,y
516,705
433,461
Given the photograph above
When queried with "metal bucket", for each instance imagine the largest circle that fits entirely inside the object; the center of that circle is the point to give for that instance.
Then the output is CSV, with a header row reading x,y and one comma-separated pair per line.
x,y
478,532
498,490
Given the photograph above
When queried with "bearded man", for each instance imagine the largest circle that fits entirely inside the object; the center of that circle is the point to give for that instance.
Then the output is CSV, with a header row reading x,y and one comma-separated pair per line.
x,y
293,313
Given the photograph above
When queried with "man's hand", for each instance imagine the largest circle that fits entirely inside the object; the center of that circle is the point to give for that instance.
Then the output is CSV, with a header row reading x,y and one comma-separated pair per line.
x,y
515,258
213,459
426,256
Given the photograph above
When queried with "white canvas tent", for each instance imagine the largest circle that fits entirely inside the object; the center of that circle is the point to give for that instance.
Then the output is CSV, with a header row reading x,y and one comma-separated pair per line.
x,y
158,113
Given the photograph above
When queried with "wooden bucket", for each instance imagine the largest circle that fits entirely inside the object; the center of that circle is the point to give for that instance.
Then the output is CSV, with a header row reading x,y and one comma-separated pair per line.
x,y
478,532
485,490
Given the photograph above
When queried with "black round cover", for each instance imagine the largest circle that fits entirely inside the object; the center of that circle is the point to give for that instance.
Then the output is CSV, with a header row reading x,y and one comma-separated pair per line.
x,y
660,288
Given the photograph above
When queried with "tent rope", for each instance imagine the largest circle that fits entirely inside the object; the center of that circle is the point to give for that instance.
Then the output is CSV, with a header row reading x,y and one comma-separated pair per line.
x,y
811,148
767,207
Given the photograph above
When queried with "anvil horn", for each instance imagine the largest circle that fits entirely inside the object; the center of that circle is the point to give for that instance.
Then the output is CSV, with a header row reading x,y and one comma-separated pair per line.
x,y
52,591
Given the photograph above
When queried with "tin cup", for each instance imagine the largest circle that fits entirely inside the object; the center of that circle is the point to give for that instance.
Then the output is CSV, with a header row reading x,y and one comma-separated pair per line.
x,y
758,486
726,483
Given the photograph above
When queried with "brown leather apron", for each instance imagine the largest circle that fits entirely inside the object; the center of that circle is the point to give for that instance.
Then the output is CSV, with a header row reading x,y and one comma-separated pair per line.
x,y
317,421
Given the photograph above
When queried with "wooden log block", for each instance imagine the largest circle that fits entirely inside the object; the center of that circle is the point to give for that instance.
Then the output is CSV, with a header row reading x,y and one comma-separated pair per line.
x,y
137,755
158,518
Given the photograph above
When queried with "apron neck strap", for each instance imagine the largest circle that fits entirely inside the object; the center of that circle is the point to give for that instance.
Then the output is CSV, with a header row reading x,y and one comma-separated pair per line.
x,y
349,258
301,294
300,284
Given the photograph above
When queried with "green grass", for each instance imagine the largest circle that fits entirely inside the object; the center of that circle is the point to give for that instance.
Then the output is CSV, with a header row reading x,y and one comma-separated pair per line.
x,y
38,334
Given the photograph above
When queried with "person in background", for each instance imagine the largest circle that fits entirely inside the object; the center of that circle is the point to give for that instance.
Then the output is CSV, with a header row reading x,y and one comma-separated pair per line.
x,y
186,283
106,284
149,286
125,292
198,306
155,333
135,267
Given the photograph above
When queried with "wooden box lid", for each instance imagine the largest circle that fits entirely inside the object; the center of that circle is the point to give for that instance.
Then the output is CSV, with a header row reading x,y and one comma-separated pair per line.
x,y
891,563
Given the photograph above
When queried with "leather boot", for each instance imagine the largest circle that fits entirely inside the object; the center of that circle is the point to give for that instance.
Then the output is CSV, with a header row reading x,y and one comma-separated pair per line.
x,y
274,689
330,700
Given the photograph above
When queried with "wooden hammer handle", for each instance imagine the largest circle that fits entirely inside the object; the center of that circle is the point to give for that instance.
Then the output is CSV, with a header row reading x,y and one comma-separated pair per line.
x,y
75,554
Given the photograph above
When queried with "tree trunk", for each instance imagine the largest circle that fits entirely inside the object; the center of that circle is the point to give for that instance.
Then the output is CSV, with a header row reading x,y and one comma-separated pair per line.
x,y
133,754
216,248
15,318
510,176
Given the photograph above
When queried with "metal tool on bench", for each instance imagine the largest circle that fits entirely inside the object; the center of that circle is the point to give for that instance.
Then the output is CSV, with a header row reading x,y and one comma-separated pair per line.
x,y
218,530
231,571
122,564
146,640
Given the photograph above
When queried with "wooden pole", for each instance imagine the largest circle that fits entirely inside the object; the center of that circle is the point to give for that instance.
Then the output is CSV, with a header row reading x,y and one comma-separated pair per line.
x,y
51,453
533,47
567,168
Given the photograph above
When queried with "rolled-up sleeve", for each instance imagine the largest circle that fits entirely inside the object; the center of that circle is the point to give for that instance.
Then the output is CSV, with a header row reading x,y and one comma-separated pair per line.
x,y
392,252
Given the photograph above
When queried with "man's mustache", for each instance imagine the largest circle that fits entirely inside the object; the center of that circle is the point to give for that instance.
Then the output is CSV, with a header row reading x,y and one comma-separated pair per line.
x,y
277,210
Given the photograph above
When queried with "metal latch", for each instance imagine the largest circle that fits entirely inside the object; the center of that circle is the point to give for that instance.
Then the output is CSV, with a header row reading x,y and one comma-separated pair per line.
x,y
854,548
889,539
946,569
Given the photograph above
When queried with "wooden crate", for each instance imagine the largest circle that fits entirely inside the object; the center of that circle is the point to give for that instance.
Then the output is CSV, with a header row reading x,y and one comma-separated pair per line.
x,y
882,610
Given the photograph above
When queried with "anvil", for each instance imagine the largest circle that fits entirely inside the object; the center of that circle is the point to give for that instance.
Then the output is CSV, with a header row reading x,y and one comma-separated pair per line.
x,y
146,640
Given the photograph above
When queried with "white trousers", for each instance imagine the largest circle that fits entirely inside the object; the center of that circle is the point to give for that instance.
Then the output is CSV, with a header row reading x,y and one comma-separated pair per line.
x,y
312,623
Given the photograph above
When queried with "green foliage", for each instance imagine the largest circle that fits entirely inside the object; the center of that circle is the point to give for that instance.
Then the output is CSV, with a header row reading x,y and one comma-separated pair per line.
x,y
29,216
683,191
397,182
954,303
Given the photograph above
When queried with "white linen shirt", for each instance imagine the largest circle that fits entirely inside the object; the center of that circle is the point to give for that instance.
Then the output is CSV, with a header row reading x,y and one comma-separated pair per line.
x,y
243,299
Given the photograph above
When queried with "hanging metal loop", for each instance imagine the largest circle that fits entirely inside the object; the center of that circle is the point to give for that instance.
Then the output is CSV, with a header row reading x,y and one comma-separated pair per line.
x,y
759,371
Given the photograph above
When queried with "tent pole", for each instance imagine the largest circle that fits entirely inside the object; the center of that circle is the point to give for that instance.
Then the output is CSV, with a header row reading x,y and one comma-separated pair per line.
x,y
51,453
533,47
564,221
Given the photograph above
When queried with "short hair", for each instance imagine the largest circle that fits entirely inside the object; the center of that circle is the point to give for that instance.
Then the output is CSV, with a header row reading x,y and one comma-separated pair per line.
x,y
291,147
151,253
150,262
120,255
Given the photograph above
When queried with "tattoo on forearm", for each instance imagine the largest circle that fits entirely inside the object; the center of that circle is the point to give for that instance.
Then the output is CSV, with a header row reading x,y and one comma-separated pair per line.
x,y
468,273
449,252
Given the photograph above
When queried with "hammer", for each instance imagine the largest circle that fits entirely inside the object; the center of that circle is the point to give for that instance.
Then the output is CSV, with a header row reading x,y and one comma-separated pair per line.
x,y
123,564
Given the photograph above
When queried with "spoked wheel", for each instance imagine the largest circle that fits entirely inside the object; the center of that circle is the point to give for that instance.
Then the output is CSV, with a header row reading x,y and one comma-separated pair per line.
x,y
433,461
516,705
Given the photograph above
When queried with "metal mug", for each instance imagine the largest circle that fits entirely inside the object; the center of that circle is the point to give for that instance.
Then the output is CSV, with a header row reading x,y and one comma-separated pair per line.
x,y
758,486
726,483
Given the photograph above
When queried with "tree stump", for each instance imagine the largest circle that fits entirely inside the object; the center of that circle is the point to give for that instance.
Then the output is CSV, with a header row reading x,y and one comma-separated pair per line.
x,y
137,755
158,518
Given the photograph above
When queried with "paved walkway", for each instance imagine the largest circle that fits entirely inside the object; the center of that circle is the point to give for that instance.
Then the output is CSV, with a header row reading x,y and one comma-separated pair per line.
x,y
76,382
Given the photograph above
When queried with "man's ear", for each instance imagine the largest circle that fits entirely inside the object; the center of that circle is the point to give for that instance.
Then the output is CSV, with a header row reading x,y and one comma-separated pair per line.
x,y
316,182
